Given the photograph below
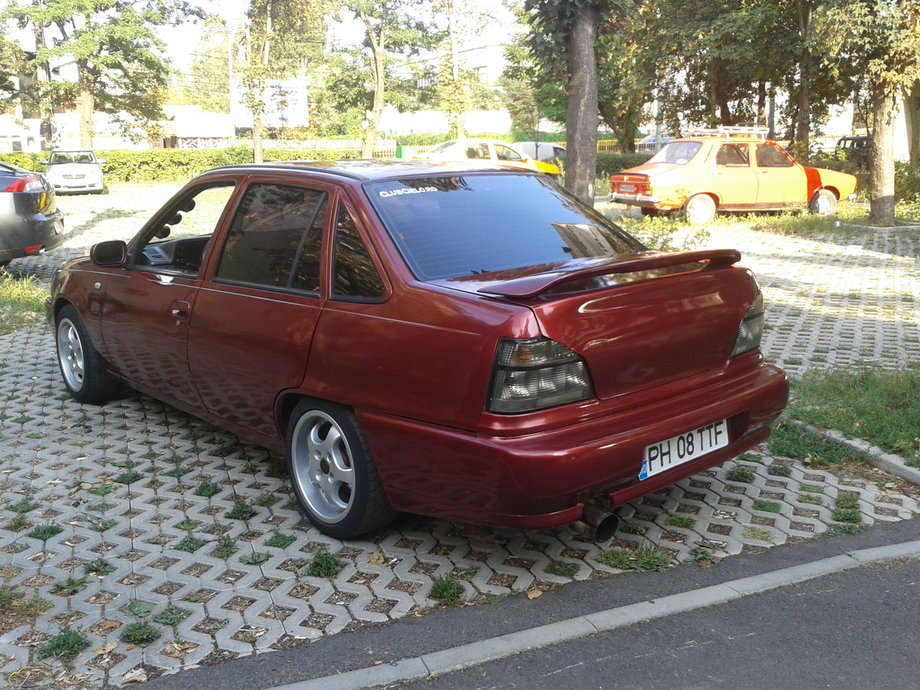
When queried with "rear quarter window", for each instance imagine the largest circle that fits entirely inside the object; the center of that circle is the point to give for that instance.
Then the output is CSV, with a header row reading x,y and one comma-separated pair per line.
x,y
452,226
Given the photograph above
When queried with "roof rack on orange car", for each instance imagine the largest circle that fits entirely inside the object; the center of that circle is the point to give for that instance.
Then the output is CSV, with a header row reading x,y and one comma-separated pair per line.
x,y
729,132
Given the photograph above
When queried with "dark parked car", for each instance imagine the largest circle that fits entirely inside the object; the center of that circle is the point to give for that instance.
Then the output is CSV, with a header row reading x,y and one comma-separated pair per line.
x,y
471,344
30,221
855,148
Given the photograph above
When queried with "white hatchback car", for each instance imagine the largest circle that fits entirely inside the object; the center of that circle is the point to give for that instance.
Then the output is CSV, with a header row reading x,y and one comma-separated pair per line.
x,y
76,170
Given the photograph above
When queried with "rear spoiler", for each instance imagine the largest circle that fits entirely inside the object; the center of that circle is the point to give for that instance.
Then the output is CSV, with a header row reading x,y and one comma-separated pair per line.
x,y
532,286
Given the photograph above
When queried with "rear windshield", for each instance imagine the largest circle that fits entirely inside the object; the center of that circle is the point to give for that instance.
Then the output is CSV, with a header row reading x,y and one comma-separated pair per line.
x,y
677,152
452,226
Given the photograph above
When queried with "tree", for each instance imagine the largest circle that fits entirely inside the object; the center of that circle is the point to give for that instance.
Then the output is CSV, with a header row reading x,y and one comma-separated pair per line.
x,y
882,38
389,25
281,36
570,27
209,84
117,55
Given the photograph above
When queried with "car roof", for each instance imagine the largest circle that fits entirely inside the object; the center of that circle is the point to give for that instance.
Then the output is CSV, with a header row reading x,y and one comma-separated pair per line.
x,y
364,170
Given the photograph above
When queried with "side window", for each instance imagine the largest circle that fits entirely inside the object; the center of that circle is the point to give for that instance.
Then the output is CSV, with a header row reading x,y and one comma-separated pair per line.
x,y
768,156
354,274
732,154
275,238
506,153
177,244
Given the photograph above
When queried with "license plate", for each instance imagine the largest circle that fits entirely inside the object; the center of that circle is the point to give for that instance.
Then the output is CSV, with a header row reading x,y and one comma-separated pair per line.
x,y
628,188
683,448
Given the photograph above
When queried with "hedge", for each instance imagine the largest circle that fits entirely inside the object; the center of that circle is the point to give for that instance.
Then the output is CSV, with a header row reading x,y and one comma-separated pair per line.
x,y
169,165
609,163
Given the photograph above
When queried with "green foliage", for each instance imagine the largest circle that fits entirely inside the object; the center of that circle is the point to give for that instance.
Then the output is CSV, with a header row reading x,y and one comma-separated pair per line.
x,y
45,532
70,586
767,506
226,547
240,511
446,591
881,407
280,541
324,564
562,569
610,163
702,557
140,634
21,302
681,521
643,559
24,505
190,544
98,567
742,473
66,645
172,615
208,489
14,603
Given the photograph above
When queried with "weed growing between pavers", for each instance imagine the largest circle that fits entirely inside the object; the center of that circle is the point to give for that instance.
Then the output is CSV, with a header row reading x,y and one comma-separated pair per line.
x,y
140,634
681,521
240,511
645,558
45,532
742,473
324,564
172,615
767,506
65,645
208,489
702,557
257,558
98,567
226,547
562,569
280,541
70,586
446,591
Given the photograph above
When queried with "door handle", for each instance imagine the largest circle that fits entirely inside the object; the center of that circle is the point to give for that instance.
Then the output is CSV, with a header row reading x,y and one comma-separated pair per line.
x,y
180,310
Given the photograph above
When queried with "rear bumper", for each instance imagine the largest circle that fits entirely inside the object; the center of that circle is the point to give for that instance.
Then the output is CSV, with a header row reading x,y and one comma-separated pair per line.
x,y
28,236
543,479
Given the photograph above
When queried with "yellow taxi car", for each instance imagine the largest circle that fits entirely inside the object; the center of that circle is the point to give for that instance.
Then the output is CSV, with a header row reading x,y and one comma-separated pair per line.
x,y
728,169
499,152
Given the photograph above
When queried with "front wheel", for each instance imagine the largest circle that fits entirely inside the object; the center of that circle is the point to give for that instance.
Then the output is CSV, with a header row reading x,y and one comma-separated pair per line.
x,y
332,472
82,368
700,209
823,203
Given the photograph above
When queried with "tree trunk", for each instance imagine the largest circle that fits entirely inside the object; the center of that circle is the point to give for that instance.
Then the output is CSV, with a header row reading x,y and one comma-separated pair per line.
x,y
803,121
912,116
87,103
760,116
378,55
258,111
457,117
881,158
582,115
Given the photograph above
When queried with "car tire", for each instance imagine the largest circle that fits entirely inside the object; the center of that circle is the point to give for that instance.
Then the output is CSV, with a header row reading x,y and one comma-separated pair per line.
x,y
700,209
823,203
332,472
82,367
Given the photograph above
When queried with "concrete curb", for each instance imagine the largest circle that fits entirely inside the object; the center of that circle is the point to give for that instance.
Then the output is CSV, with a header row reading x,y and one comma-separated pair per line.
x,y
877,457
476,653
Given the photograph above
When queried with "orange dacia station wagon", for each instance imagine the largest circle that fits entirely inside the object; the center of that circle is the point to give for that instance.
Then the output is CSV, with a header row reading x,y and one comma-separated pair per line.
x,y
730,169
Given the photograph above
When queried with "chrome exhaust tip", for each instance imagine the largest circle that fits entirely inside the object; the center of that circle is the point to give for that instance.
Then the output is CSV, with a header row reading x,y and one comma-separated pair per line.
x,y
599,524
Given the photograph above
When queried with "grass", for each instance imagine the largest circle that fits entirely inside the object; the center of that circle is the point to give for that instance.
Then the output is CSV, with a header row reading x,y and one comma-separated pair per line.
x,y
190,544
12,602
172,615
881,407
681,521
98,567
22,302
45,532
742,473
702,557
793,441
140,634
240,511
446,591
226,547
643,559
70,586
207,489
66,645
324,564
280,541
767,506
562,569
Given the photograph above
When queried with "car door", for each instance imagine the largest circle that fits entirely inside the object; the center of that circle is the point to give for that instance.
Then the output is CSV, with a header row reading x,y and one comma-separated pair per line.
x,y
780,181
735,180
255,313
146,304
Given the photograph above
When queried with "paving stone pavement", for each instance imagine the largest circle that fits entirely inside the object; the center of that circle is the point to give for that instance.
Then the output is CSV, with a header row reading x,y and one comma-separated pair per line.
x,y
138,513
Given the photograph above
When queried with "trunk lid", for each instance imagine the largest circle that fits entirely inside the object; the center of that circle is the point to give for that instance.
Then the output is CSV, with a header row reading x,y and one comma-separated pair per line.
x,y
641,321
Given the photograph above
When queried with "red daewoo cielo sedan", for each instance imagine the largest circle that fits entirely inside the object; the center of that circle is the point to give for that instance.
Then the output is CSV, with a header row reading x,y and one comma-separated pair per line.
x,y
467,343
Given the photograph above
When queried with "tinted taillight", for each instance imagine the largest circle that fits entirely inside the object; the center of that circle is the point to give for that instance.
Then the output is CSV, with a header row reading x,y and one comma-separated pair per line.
x,y
751,329
534,374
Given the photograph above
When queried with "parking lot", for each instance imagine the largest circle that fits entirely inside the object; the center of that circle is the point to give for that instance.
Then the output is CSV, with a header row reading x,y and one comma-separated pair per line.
x,y
166,520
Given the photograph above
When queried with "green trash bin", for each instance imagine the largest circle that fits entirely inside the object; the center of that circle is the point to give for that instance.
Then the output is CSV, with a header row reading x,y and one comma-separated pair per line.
x,y
405,151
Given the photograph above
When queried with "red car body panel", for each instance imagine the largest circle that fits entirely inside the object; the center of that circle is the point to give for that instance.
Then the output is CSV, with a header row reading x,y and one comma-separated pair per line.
x,y
416,364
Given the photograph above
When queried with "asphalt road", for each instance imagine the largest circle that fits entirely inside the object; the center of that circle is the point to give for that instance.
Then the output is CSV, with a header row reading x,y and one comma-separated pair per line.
x,y
850,629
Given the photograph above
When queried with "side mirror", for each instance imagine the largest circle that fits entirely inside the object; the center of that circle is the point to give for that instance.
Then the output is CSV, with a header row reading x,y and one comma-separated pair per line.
x,y
100,161
109,253
45,163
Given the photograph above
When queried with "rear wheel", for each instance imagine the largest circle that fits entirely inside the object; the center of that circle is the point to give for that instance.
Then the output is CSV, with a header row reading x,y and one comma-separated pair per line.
x,y
82,368
823,203
650,212
332,472
700,209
